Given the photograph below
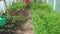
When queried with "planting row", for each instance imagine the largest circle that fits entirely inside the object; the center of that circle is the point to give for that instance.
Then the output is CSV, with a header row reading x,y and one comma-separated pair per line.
x,y
45,20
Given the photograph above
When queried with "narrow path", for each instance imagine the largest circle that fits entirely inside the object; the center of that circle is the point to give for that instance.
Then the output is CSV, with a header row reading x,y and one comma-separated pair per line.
x,y
27,28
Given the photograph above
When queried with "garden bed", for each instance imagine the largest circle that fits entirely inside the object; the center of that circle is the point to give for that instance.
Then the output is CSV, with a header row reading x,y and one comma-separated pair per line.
x,y
45,19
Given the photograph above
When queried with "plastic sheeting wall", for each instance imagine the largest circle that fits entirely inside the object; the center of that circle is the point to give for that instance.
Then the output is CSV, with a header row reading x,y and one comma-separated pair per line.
x,y
57,6
9,2
51,2
2,7
32,0
38,0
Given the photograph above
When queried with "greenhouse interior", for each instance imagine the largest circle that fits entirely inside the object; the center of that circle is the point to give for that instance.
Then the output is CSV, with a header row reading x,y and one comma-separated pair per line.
x,y
29,16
